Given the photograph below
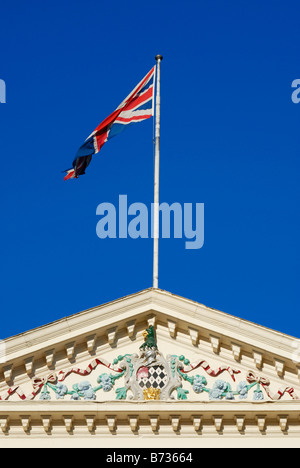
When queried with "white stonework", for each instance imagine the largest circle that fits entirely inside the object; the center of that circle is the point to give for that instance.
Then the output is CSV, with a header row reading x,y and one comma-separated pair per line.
x,y
219,381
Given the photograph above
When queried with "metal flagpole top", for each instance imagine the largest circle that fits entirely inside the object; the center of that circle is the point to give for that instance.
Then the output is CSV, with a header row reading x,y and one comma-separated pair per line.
x,y
159,57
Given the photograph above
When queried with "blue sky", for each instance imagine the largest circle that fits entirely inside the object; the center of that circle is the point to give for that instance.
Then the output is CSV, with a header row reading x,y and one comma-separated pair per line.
x,y
229,139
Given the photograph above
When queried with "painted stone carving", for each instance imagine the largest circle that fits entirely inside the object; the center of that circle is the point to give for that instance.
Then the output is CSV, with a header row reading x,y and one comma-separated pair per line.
x,y
148,375
150,339
152,393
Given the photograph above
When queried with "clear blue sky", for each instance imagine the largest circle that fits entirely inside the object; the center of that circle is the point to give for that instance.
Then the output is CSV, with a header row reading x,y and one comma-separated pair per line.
x,y
229,139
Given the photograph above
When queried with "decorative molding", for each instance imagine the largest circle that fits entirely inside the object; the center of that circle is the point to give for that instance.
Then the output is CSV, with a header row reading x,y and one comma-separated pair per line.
x,y
279,366
161,304
240,422
49,355
68,420
90,422
154,420
111,422
34,418
4,423
197,419
175,422
172,326
91,343
29,365
70,349
218,421
133,422
236,351
46,421
148,375
111,335
194,335
258,359
283,422
7,371
261,422
25,421
131,327
215,343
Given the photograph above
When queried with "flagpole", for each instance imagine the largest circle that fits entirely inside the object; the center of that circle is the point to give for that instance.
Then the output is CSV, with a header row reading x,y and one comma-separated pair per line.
x,y
158,58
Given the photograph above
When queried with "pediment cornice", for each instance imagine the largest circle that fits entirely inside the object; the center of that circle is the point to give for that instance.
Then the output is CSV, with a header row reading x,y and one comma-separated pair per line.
x,y
175,311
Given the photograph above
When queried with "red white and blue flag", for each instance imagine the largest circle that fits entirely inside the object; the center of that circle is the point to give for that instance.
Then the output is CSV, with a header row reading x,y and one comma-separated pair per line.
x,y
138,106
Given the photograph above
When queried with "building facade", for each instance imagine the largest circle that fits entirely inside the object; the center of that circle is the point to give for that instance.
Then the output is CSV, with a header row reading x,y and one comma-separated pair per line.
x,y
150,370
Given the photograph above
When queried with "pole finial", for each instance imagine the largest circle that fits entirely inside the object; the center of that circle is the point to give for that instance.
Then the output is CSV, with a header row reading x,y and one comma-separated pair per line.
x,y
159,57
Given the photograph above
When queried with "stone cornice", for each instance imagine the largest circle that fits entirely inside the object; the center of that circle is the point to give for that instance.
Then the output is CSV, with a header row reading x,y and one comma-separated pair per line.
x,y
63,418
144,407
159,302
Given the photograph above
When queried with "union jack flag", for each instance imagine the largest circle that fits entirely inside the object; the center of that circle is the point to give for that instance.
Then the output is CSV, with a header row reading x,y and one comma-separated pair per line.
x,y
138,106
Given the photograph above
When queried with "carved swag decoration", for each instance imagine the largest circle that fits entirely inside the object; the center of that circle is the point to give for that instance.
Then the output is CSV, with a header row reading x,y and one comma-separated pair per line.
x,y
148,375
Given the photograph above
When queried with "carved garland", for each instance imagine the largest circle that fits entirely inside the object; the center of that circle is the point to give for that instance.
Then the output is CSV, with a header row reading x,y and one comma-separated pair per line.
x,y
222,389
51,379
148,375
180,368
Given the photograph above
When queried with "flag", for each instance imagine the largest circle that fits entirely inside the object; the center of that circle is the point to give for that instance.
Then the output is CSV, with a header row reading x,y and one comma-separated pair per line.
x,y
138,106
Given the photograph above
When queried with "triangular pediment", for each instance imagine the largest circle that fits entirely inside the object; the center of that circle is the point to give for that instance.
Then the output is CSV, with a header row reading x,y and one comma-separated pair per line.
x,y
202,355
